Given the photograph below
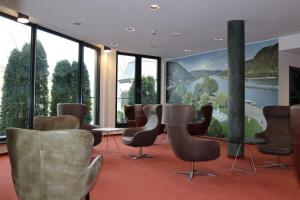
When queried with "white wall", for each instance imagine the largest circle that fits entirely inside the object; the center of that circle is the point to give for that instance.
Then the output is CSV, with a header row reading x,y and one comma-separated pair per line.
x,y
289,42
107,89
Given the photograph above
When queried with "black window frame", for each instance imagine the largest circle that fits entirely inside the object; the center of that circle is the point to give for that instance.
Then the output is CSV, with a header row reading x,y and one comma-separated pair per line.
x,y
81,45
138,79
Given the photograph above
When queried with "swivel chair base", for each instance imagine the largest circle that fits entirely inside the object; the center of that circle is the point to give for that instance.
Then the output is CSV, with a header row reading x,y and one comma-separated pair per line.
x,y
276,164
139,155
195,172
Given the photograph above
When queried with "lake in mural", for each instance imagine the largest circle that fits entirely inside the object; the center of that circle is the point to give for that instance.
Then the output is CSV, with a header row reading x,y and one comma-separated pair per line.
x,y
200,79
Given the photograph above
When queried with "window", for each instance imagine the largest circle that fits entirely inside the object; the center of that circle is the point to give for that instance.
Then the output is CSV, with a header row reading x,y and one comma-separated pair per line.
x,y
56,72
64,70
90,83
137,82
125,84
15,63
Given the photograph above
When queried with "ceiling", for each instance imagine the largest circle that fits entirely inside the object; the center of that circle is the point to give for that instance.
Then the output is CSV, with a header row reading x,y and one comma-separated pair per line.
x,y
199,22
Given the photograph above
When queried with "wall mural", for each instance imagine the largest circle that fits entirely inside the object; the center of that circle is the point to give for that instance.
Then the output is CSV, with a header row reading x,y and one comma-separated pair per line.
x,y
200,79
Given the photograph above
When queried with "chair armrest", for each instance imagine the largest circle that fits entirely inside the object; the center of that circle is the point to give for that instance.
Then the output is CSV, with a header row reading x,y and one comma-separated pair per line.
x,y
260,135
87,126
93,171
131,131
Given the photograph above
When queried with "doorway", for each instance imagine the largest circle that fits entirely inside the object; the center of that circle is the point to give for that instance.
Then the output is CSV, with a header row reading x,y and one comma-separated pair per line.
x,y
294,85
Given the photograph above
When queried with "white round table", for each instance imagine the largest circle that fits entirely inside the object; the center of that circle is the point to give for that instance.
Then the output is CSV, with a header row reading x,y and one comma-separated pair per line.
x,y
107,131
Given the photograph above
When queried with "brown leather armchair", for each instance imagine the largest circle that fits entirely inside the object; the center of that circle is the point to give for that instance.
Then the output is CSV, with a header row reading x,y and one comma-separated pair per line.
x,y
184,145
45,166
201,127
295,129
129,115
145,135
277,134
47,123
79,110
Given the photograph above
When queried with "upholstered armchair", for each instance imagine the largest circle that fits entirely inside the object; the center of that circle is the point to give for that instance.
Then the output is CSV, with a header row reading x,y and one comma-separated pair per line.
x,y
145,135
185,146
277,134
79,111
47,123
201,127
295,129
52,164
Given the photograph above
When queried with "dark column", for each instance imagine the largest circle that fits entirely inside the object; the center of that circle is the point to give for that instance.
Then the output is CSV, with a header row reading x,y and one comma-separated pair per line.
x,y
236,83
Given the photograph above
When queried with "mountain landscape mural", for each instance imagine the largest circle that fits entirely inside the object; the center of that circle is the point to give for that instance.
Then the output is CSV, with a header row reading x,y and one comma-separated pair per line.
x,y
200,79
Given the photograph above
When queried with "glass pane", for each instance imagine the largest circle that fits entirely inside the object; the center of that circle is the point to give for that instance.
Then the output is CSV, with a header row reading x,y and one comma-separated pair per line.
x,y
15,57
89,83
149,81
56,72
125,84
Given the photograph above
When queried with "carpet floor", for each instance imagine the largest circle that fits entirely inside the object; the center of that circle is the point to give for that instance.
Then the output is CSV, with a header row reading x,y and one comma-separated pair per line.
x,y
154,179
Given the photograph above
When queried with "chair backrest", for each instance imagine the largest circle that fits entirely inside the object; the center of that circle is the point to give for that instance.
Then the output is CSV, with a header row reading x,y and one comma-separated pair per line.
x,y
278,129
140,117
295,129
153,113
76,109
200,128
185,146
46,123
129,112
49,164
129,115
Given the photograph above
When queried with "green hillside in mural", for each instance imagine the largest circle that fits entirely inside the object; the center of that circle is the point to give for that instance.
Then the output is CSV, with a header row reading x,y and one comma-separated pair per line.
x,y
264,64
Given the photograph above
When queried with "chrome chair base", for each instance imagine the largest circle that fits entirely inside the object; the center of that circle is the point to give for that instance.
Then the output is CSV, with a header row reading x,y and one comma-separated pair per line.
x,y
139,155
276,164
191,174
195,172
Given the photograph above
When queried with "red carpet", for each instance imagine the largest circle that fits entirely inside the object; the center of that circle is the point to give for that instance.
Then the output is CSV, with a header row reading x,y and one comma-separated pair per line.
x,y
124,179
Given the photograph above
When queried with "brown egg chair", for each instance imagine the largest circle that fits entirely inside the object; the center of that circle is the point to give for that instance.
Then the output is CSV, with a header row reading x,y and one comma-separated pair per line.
x,y
185,146
145,135
79,110
295,129
277,134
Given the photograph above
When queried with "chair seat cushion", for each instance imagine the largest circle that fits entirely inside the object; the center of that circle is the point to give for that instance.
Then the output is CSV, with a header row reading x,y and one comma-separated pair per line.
x,y
275,149
127,140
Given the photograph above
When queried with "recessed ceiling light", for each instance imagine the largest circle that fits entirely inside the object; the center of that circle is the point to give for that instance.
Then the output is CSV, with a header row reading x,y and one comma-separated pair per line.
x,y
24,19
130,28
77,23
176,34
218,38
114,44
154,7
187,50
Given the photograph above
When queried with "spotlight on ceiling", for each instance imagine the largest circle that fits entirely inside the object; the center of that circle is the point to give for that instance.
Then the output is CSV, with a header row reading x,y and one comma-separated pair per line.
x,y
24,19
130,28
107,49
218,38
77,23
114,44
187,50
154,7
